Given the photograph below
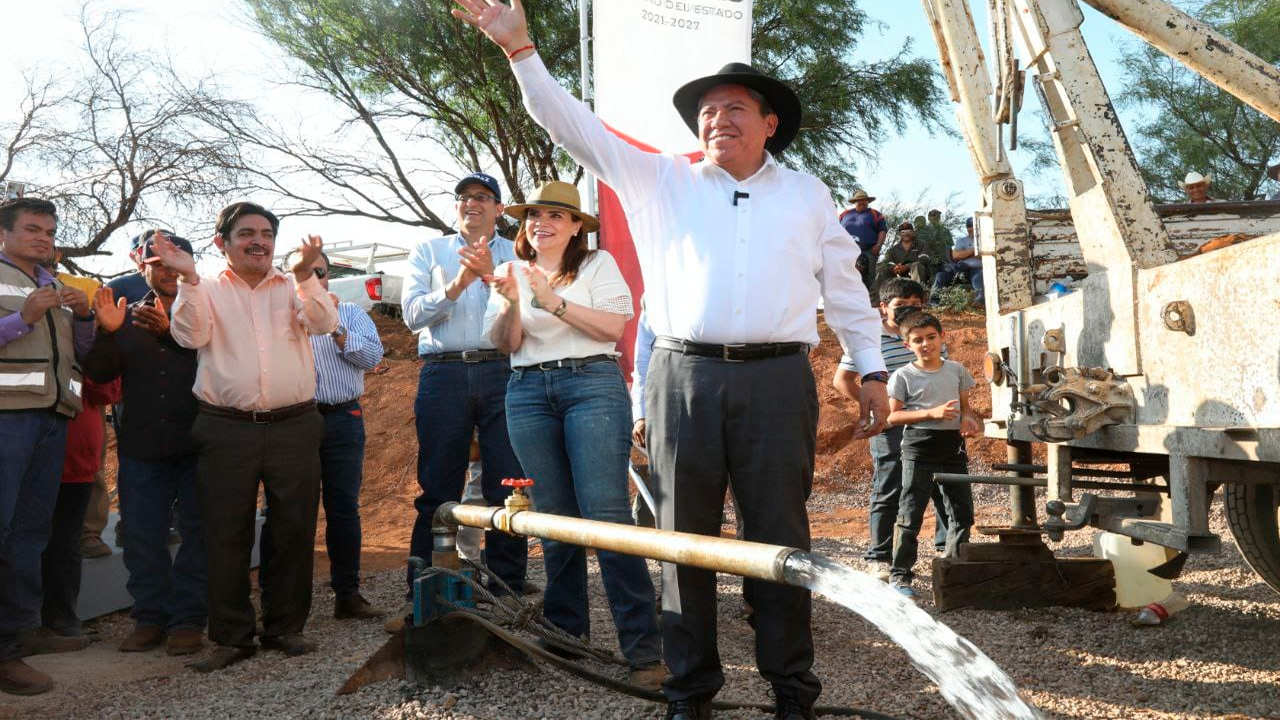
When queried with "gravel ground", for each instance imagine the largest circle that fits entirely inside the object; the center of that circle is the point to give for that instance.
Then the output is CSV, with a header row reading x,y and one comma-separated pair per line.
x,y
1216,659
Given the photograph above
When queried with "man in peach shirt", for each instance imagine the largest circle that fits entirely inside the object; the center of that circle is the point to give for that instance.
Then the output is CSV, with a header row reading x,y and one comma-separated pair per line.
x,y
255,386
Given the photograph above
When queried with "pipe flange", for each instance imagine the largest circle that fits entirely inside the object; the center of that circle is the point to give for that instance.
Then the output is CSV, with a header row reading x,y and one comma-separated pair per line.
x,y
1179,317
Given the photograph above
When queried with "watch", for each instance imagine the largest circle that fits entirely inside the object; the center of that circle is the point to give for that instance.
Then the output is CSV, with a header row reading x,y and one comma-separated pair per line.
x,y
339,332
880,376
560,311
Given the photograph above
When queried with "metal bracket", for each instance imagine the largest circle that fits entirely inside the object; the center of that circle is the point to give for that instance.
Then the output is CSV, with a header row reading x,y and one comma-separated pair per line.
x,y
1179,317
1076,402
1065,516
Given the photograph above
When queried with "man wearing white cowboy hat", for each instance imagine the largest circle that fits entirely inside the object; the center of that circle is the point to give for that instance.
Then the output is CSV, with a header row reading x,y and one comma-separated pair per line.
x,y
1197,188
735,252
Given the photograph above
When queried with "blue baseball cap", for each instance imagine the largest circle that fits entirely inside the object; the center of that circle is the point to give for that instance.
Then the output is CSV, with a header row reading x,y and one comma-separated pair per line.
x,y
968,222
478,177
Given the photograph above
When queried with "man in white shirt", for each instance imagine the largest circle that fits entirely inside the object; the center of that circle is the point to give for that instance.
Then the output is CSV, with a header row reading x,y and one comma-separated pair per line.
x,y
735,252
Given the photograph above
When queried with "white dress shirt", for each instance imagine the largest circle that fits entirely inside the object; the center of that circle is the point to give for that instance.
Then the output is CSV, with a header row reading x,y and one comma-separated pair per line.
x,y
719,270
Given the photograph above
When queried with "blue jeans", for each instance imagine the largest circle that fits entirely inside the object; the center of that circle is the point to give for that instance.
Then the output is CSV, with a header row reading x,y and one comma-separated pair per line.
x,y
32,446
168,592
572,432
341,474
886,490
454,400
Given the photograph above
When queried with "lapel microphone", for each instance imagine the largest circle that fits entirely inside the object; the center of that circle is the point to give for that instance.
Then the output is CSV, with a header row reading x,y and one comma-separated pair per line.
x,y
738,195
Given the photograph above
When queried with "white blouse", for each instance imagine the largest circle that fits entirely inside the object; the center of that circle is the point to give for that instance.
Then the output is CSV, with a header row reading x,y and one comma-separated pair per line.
x,y
599,285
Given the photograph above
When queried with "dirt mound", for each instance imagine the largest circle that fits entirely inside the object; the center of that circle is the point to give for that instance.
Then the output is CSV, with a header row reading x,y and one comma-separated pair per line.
x,y
391,450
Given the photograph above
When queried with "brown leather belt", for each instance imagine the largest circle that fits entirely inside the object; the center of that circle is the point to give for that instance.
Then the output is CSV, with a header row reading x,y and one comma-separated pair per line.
x,y
261,417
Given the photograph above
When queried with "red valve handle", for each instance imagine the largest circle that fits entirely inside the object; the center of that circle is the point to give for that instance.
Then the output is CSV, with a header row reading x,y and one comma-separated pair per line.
x,y
517,482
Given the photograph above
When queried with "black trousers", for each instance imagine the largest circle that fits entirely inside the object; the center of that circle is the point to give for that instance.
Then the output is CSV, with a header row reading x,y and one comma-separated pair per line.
x,y
61,563
751,426
235,456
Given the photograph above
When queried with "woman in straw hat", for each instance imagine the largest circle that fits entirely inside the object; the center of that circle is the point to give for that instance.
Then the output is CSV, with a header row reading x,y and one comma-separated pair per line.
x,y
559,312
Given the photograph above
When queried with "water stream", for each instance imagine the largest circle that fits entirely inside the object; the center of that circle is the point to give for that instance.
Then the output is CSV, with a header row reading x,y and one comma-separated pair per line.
x,y
969,680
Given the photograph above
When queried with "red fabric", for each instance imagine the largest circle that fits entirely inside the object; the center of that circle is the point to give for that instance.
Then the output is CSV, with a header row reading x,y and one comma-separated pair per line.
x,y
86,432
615,236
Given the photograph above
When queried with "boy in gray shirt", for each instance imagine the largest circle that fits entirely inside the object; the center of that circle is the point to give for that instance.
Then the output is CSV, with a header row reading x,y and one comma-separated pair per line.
x,y
929,396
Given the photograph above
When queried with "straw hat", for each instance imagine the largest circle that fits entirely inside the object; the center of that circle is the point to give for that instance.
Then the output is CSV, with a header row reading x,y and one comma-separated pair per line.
x,y
558,195
861,195
1195,178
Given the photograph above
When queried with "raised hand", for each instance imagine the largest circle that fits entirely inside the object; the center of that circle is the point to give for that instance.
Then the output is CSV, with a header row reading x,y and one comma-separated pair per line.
x,y
506,285
153,319
504,24
305,256
174,257
38,303
109,310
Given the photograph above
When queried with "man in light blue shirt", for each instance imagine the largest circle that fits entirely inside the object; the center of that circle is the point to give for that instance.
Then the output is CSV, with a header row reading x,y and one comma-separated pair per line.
x,y
342,358
463,383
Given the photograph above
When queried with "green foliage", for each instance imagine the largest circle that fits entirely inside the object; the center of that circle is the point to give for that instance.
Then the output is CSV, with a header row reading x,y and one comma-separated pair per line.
x,y
1193,125
408,71
956,298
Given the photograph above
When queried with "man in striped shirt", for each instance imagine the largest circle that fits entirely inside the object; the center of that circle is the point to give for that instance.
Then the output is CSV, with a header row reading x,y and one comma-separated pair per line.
x,y
342,357
898,297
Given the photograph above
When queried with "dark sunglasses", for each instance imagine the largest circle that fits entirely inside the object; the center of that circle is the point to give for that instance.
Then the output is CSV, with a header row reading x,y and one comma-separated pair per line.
x,y
320,272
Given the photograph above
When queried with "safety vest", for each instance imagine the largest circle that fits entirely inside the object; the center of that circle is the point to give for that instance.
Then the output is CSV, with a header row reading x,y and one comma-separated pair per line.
x,y
38,371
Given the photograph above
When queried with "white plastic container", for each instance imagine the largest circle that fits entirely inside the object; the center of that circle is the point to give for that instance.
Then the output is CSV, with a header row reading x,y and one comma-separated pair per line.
x,y
1135,587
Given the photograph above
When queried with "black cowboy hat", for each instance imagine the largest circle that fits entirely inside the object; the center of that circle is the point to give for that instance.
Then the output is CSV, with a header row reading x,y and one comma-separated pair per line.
x,y
781,97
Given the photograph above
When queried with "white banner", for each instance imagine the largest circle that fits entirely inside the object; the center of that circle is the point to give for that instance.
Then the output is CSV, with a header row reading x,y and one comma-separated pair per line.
x,y
645,49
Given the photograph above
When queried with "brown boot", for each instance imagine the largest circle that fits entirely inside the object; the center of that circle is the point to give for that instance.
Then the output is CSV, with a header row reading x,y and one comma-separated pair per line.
x,y
143,637
19,678
43,641
223,657
648,677
92,546
355,607
185,641
396,622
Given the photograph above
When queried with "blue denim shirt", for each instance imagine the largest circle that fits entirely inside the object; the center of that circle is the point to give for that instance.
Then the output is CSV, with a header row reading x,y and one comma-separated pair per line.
x,y
445,325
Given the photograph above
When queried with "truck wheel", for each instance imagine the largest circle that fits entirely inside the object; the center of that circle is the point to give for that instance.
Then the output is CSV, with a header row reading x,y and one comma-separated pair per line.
x,y
1252,514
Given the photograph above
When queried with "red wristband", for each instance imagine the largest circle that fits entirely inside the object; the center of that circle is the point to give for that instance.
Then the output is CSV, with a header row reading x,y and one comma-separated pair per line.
x,y
511,55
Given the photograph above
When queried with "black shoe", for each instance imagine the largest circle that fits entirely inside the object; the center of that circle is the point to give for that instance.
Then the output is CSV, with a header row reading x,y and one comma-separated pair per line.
x,y
789,707
689,709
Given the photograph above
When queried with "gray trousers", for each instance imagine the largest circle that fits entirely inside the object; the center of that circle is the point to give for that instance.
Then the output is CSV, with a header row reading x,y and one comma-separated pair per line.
x,y
751,426
234,457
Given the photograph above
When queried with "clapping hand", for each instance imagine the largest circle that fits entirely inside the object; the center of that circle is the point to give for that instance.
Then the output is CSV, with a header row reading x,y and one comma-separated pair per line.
x,y
152,318
506,285
109,310
75,300
476,258
541,287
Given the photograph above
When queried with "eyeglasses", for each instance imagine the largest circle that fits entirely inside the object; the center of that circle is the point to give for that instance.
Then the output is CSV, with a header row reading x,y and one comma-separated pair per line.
x,y
320,272
481,198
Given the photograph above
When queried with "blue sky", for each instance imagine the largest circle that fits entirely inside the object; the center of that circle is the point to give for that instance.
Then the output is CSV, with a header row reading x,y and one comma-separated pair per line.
x,y
213,36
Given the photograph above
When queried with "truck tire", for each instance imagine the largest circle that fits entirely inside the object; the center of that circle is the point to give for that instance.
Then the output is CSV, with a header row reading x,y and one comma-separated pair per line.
x,y
1252,514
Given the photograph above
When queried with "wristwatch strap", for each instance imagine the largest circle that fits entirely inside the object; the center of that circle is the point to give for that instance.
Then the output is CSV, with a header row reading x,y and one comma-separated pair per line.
x,y
880,376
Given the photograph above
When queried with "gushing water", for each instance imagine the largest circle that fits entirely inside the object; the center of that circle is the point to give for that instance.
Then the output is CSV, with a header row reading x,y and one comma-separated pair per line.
x,y
969,680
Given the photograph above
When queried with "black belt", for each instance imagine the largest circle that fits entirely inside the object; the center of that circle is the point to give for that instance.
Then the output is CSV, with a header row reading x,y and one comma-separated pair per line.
x,y
326,408
466,356
569,363
731,353
257,416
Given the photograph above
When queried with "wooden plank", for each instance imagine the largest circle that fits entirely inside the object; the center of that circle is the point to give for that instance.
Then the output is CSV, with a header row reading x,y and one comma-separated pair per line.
x,y
1071,582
